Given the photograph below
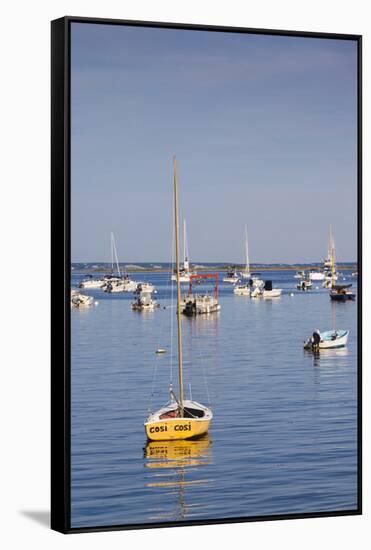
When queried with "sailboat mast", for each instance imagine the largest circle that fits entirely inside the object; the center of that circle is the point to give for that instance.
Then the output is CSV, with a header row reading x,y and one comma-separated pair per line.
x,y
116,258
332,258
180,347
111,253
247,252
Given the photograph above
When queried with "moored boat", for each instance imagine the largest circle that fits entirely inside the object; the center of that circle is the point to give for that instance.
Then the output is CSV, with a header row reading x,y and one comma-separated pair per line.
x,y
231,277
266,290
242,289
185,270
123,284
316,275
329,339
179,418
79,300
90,282
341,293
120,282
304,284
198,304
144,287
144,302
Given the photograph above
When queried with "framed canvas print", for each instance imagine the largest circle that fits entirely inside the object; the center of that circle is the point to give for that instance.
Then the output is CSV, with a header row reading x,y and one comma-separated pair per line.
x,y
206,274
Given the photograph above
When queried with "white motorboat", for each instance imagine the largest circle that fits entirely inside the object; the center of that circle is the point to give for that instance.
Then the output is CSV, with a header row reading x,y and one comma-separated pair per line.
x,y
242,289
231,277
144,302
79,300
316,275
304,284
329,339
299,275
90,282
144,287
255,280
274,293
124,284
266,290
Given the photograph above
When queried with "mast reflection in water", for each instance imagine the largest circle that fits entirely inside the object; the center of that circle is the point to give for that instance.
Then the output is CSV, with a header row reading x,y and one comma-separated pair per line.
x,y
176,469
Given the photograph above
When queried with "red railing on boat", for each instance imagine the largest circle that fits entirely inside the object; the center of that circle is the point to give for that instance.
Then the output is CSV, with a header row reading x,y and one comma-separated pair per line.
x,y
204,276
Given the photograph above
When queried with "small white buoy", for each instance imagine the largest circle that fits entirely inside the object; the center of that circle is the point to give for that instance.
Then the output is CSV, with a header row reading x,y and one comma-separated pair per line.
x,y
291,294
96,303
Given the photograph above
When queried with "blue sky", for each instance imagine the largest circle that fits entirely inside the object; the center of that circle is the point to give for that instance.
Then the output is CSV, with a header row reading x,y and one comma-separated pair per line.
x,y
263,127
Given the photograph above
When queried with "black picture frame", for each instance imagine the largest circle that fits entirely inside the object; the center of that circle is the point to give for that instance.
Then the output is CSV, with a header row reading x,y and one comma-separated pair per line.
x,y
60,271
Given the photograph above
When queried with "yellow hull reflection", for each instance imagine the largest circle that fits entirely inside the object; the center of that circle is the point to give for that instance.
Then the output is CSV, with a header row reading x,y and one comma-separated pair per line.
x,y
176,428
184,452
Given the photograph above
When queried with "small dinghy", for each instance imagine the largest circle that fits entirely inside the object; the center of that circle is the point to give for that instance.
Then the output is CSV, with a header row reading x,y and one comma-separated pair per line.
x,y
341,293
329,339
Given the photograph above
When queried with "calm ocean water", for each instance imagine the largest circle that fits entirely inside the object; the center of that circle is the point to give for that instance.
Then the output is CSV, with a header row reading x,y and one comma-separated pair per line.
x,y
283,438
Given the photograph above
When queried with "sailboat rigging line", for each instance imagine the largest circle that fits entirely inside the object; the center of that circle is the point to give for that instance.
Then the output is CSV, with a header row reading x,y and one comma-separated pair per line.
x,y
206,384
179,320
169,290
172,298
111,253
115,253
153,385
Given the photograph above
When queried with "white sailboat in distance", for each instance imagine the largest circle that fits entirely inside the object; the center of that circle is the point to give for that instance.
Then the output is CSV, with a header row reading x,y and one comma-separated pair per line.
x,y
245,273
185,271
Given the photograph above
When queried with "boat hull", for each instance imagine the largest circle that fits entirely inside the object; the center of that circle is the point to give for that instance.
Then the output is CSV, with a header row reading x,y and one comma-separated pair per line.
x,y
342,297
317,276
193,309
327,342
241,291
91,284
275,293
176,428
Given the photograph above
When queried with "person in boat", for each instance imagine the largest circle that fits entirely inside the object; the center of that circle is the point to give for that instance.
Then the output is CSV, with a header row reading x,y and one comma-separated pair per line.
x,y
316,338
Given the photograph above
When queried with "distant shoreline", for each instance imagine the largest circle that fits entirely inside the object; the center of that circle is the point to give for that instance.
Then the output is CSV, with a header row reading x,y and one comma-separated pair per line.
x,y
222,268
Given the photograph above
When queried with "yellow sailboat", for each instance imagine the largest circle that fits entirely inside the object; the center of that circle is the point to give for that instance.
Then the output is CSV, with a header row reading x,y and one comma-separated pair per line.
x,y
180,418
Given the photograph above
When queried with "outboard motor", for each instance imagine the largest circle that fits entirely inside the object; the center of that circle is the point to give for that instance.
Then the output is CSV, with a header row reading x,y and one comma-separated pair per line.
x,y
268,285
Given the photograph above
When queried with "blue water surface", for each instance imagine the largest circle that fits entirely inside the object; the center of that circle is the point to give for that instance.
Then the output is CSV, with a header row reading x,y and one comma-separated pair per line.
x,y
283,438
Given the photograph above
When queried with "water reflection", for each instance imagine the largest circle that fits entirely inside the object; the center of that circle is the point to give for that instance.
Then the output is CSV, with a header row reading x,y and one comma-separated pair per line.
x,y
328,357
175,467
